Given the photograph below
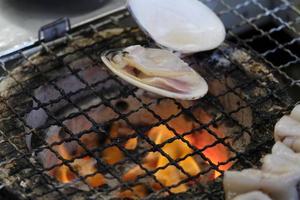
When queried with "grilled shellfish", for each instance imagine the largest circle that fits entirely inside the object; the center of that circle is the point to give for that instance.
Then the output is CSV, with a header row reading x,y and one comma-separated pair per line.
x,y
184,26
156,70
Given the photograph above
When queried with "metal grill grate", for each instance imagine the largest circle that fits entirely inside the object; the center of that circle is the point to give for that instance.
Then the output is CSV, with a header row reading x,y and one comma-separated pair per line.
x,y
272,32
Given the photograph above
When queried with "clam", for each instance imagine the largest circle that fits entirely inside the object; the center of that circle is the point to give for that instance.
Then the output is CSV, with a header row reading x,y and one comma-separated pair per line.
x,y
156,70
184,26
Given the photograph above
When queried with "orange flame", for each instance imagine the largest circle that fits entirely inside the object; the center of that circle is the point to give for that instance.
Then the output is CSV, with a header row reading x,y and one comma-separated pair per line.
x,y
177,149
168,174
63,173
217,153
84,167
113,155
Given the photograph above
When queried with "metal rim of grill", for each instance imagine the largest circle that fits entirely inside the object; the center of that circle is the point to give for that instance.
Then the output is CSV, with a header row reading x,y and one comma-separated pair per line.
x,y
289,82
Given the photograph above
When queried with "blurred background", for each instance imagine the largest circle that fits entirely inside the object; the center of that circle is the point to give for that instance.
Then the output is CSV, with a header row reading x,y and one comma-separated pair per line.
x,y
20,20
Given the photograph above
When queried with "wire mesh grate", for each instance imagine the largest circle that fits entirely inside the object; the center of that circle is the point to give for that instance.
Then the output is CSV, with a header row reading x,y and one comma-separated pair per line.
x,y
261,37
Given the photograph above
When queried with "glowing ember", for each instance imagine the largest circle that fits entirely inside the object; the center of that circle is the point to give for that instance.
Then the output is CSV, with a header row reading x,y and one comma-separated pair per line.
x,y
159,163
112,155
170,175
138,191
179,151
69,151
218,153
85,167
176,150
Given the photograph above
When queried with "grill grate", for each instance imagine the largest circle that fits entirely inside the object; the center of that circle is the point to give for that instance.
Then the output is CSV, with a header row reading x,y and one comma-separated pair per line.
x,y
24,172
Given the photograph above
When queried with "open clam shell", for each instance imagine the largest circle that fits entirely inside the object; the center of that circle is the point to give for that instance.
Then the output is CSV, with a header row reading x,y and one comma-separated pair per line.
x,y
185,26
156,70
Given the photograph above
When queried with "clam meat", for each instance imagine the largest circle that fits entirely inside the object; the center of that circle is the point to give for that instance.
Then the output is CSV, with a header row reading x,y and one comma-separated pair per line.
x,y
182,26
156,70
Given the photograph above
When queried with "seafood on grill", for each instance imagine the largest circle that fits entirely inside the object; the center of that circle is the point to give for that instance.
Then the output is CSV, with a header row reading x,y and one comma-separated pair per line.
x,y
281,156
287,129
156,70
279,176
278,186
255,195
182,26
295,114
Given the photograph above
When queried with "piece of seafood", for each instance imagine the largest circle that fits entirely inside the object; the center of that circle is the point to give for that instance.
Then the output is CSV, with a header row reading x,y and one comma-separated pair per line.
x,y
280,148
278,186
156,70
295,114
279,176
183,26
287,129
282,160
255,195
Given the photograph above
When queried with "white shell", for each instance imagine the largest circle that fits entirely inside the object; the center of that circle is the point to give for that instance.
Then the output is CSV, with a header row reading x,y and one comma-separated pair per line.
x,y
156,70
186,26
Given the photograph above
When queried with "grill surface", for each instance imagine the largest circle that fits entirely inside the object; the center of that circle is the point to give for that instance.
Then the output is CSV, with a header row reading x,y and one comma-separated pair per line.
x,y
274,45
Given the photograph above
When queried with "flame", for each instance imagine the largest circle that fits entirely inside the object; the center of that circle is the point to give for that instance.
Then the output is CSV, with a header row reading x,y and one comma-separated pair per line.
x,y
217,153
63,173
87,166
113,155
138,191
170,175
84,167
157,161
177,149
131,144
